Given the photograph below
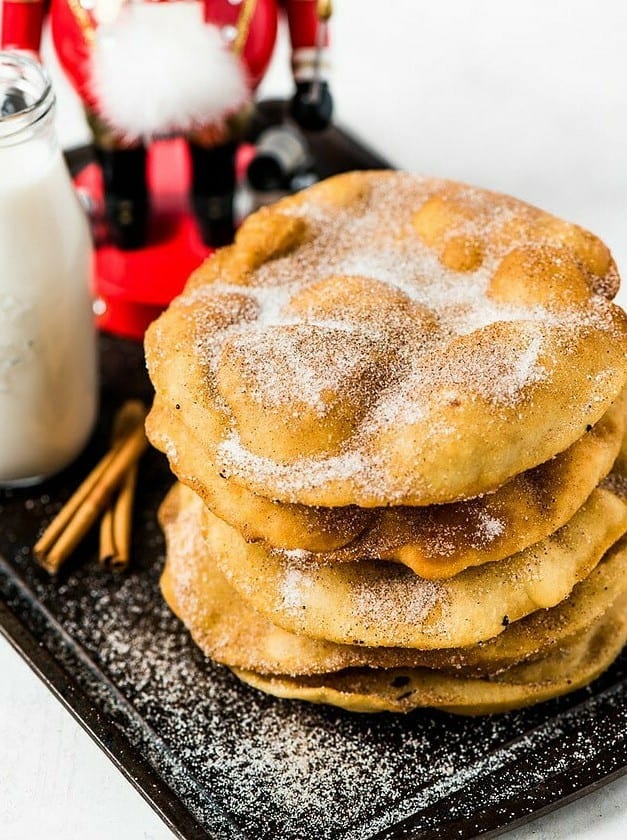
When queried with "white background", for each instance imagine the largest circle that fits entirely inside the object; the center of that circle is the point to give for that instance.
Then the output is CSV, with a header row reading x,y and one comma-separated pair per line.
x,y
528,98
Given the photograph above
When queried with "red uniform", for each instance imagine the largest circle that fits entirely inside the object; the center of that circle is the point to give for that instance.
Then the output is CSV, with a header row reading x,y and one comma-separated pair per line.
x,y
247,27
156,68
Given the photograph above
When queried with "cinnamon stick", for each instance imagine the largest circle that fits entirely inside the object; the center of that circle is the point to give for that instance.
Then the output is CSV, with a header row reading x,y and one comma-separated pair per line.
x,y
91,498
115,528
62,519
107,549
115,548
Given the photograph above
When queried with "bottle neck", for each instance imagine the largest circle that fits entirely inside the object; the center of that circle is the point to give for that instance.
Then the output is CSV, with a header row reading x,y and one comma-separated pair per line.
x,y
26,100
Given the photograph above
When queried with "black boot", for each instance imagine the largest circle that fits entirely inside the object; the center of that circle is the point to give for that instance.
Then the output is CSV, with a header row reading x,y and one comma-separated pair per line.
x,y
126,195
213,192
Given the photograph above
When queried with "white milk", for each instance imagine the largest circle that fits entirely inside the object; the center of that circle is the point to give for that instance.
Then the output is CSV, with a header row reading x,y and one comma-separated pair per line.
x,y
47,341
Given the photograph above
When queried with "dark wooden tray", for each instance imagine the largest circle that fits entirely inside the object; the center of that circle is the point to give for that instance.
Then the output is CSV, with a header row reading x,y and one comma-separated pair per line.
x,y
217,759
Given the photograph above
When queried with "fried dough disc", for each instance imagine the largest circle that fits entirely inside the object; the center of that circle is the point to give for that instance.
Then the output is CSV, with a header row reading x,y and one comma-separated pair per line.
x,y
383,339
229,630
257,518
435,541
401,690
381,604
439,541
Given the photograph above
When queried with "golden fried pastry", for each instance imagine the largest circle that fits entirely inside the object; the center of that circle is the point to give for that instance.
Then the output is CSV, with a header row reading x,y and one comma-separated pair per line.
x,y
383,339
394,403
229,630
434,541
256,517
376,603
401,690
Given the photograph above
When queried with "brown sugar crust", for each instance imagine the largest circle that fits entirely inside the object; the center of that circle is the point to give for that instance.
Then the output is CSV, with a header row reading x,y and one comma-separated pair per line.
x,y
435,541
231,631
383,339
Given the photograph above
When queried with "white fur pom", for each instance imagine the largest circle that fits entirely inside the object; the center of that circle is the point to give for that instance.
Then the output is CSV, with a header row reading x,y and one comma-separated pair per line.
x,y
160,69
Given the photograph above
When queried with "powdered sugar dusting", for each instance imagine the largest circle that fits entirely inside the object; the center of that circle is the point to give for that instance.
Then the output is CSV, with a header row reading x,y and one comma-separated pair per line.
x,y
170,449
616,483
490,527
235,458
293,589
287,342
249,767
313,358
526,368
398,596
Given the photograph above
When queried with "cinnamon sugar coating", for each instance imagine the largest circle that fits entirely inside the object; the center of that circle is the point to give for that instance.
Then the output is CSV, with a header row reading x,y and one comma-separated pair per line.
x,y
436,541
230,630
567,669
383,339
380,604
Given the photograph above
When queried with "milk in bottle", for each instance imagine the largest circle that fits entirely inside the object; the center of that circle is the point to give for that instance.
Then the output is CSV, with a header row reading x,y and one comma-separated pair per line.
x,y
47,340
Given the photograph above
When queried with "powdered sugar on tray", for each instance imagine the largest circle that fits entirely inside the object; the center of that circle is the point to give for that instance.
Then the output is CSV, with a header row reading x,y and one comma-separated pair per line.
x,y
250,767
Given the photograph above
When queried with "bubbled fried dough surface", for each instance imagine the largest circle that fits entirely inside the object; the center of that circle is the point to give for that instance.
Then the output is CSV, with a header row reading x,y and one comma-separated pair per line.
x,y
570,667
386,339
232,632
436,541
376,603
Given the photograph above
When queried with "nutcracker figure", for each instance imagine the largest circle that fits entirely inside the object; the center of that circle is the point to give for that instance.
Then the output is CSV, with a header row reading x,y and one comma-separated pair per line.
x,y
147,69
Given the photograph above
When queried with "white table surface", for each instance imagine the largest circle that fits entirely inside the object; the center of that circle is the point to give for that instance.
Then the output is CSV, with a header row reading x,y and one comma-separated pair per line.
x,y
527,98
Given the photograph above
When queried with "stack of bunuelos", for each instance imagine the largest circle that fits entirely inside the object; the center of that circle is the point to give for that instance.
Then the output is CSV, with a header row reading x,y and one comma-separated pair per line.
x,y
393,405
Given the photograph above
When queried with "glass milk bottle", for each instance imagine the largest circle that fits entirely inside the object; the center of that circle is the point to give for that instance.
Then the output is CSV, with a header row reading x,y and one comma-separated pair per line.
x,y
48,385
